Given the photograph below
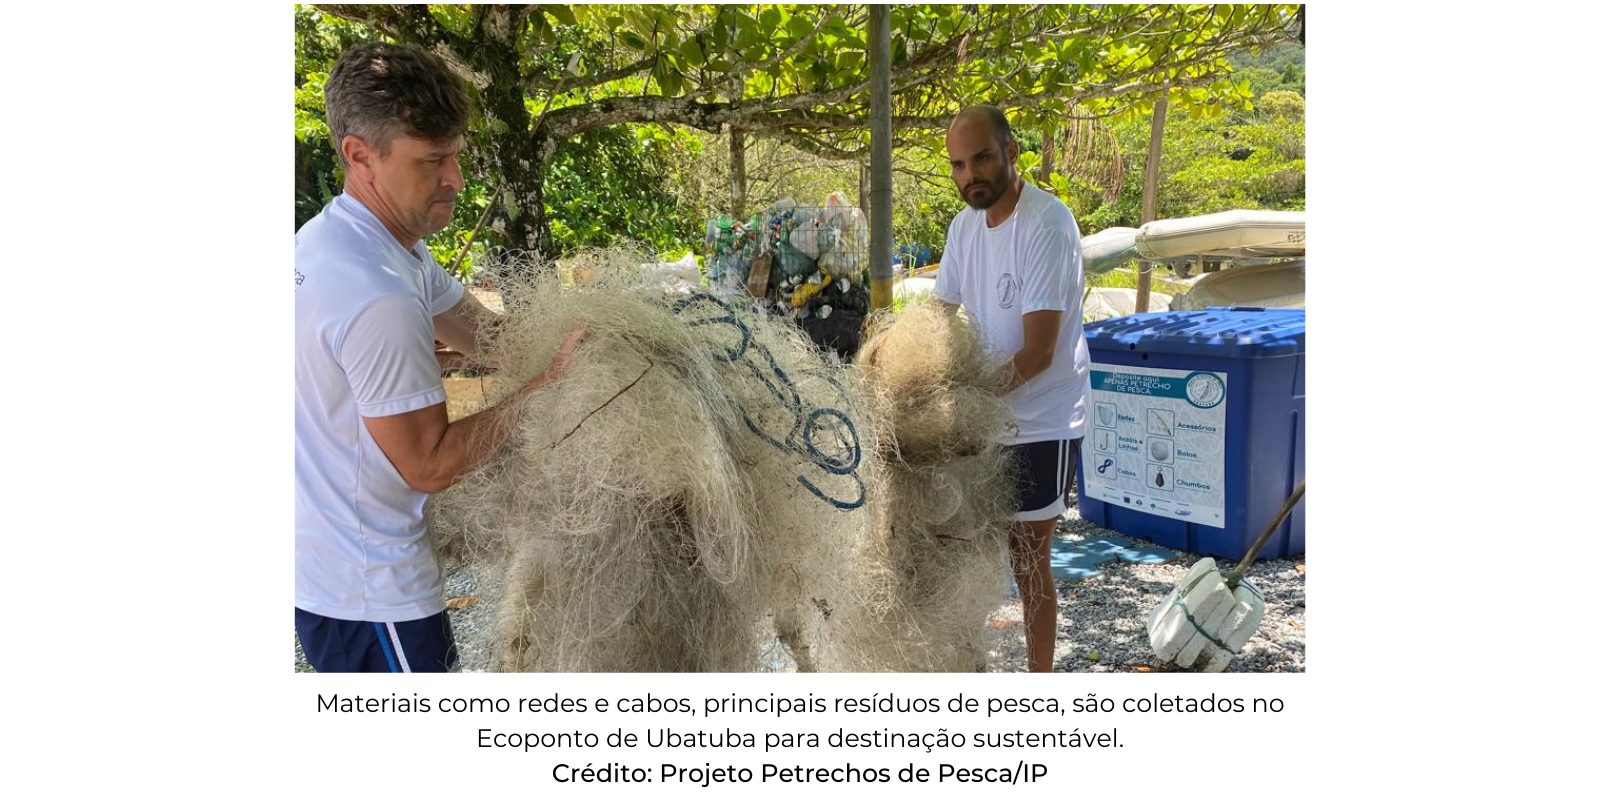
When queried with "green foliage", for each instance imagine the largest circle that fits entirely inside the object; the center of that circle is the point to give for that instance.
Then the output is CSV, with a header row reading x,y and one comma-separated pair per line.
x,y
1282,66
1248,158
1209,166
1260,165
317,174
1086,200
922,215
611,184
1028,161
799,71
601,187
448,245
1283,105
318,41
1260,80
765,56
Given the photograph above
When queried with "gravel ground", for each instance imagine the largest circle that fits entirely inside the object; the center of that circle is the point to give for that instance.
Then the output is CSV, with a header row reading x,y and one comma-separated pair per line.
x,y
1101,616
1104,615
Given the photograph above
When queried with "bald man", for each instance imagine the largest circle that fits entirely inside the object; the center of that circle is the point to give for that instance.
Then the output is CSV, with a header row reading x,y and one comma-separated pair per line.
x,y
1013,261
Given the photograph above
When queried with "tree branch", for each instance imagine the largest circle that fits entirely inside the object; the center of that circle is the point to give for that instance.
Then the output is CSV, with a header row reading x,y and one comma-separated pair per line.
x,y
542,83
564,122
806,144
405,23
927,89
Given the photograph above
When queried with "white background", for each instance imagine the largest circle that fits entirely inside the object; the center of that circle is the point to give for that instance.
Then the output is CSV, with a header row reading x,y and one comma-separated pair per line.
x,y
149,483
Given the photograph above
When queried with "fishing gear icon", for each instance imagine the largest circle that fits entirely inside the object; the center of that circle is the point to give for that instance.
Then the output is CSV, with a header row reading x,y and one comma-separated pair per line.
x,y
1105,465
1104,441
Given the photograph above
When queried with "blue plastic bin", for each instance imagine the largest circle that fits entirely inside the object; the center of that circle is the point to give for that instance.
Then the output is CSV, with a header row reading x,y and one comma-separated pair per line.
x,y
1158,383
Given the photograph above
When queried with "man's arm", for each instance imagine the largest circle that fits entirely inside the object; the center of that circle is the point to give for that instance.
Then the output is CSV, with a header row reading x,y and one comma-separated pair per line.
x,y
1040,330
431,453
460,327
1052,278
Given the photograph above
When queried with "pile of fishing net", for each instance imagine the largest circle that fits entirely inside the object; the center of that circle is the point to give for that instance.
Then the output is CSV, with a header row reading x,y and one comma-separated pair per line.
x,y
945,496
702,479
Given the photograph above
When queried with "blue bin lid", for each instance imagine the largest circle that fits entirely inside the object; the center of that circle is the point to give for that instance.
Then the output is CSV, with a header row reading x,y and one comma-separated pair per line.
x,y
1215,332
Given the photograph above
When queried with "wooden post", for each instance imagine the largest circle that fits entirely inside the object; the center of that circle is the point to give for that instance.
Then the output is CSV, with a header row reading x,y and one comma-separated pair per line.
x,y
882,219
1152,179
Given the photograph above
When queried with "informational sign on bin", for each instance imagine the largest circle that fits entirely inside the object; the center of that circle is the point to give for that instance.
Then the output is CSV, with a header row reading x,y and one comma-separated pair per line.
x,y
1157,441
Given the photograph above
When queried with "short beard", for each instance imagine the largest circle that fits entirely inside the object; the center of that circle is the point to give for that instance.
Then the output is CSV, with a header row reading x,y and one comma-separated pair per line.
x,y
994,196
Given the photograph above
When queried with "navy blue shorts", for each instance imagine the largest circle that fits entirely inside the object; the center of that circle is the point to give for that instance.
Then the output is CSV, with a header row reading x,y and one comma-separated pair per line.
x,y
1044,477
339,645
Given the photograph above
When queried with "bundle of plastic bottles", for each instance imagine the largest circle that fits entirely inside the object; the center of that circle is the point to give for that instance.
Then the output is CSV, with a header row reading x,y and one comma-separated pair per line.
x,y
730,245
819,256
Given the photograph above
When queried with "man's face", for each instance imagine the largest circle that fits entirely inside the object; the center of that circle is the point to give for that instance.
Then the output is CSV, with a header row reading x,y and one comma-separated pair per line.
x,y
980,166
419,180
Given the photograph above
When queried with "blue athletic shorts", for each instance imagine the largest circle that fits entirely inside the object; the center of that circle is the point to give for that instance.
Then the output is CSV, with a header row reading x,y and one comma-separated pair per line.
x,y
1044,476
338,645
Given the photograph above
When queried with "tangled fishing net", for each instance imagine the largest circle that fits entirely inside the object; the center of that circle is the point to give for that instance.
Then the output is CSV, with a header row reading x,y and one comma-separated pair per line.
x,y
701,479
946,494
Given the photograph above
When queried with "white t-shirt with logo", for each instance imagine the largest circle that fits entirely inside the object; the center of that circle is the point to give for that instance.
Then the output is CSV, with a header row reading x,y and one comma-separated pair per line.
x,y
363,319
1031,262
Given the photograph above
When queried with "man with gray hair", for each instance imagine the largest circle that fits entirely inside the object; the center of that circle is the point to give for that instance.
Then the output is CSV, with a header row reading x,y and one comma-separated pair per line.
x,y
372,437
1014,262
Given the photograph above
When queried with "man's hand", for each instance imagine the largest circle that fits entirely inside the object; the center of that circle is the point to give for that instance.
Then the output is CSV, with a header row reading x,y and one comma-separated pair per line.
x,y
563,360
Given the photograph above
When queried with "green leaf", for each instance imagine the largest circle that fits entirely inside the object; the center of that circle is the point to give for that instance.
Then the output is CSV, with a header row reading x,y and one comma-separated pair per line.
x,y
639,17
634,41
749,31
692,54
563,14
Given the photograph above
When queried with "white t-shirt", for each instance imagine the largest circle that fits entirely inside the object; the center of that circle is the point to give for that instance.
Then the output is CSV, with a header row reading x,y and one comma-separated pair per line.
x,y
363,326
1031,262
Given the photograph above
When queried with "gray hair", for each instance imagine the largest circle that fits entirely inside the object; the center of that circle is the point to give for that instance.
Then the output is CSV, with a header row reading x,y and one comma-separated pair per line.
x,y
380,91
